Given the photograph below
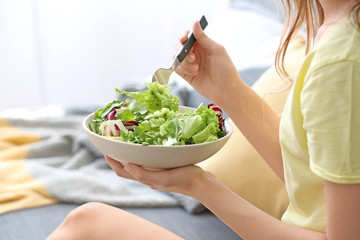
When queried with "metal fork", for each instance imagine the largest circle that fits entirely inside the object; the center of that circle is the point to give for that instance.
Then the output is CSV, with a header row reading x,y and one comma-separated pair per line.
x,y
162,75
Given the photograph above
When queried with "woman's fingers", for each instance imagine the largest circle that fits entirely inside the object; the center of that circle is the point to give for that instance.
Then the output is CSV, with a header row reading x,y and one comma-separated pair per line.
x,y
201,37
187,68
135,173
118,168
154,179
169,180
181,40
140,174
190,58
183,37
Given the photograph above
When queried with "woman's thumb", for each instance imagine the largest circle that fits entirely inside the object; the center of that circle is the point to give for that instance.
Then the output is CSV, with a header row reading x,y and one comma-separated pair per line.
x,y
201,37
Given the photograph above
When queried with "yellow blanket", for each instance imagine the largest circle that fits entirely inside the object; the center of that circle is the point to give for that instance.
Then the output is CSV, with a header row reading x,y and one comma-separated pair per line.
x,y
45,157
18,189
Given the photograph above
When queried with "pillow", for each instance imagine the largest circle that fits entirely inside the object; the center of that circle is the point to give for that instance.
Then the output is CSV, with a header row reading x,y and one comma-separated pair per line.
x,y
238,165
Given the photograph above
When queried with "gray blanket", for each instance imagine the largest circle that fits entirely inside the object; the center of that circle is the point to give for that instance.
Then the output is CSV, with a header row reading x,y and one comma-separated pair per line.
x,y
59,163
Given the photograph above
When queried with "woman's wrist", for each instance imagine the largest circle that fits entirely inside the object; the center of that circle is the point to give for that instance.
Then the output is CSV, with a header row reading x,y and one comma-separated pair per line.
x,y
232,94
201,184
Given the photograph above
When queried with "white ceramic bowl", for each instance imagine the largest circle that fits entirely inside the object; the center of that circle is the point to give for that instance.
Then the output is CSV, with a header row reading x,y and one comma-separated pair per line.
x,y
155,156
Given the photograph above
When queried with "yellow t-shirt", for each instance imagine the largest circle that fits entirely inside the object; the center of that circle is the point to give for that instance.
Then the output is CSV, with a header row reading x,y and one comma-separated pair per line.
x,y
320,125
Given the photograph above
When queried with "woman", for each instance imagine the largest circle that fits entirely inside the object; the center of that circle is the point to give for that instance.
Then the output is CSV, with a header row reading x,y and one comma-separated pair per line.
x,y
317,153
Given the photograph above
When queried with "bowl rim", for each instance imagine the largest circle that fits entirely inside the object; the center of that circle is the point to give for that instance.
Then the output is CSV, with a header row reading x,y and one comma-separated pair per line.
x,y
86,120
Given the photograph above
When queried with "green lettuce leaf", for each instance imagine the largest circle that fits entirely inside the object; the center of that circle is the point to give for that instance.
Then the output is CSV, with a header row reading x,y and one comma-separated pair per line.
x,y
101,113
155,98
126,116
208,134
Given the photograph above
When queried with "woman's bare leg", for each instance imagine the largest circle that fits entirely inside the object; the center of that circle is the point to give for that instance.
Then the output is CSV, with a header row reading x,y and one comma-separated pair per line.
x,y
101,221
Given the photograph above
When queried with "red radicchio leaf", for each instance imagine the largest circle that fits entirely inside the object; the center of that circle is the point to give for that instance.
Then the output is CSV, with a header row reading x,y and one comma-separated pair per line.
x,y
219,115
117,133
211,105
111,115
131,123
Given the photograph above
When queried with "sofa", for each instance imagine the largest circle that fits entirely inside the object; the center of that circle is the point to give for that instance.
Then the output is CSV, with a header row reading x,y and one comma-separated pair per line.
x,y
250,31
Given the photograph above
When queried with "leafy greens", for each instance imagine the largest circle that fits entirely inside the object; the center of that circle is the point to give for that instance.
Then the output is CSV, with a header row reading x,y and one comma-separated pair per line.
x,y
153,118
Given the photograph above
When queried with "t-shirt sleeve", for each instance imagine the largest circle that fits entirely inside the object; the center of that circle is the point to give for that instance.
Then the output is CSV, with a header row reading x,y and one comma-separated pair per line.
x,y
330,104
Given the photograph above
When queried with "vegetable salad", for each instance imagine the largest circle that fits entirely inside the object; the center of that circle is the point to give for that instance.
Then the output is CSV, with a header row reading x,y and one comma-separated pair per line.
x,y
152,117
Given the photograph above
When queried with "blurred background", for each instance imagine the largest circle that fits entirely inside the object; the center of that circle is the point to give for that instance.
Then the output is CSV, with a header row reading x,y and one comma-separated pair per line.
x,y
78,51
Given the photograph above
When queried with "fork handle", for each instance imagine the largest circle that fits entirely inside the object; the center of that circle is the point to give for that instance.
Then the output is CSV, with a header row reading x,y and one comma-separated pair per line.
x,y
186,47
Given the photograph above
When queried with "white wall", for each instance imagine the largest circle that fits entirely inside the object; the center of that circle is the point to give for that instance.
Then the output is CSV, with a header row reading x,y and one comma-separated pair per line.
x,y
19,73
78,51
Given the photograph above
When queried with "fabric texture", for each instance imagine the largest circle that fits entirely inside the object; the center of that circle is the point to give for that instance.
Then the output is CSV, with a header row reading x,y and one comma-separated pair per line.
x,y
45,157
320,125
238,165
17,186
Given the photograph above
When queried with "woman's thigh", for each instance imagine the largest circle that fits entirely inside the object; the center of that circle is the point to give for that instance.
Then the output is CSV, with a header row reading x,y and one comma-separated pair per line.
x,y
101,221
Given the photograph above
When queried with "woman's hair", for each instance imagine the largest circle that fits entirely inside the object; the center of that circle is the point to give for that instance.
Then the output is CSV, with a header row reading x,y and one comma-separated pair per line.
x,y
300,14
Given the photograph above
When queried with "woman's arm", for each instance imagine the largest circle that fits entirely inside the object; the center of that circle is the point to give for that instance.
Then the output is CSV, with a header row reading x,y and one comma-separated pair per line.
x,y
257,122
342,210
209,69
249,222
342,207
245,219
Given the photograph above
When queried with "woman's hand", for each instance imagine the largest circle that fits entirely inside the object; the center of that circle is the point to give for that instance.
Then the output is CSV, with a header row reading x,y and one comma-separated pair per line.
x,y
208,67
181,180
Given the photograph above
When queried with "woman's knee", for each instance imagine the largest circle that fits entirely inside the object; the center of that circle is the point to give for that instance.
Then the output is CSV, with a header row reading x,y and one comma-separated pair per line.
x,y
85,213
80,222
